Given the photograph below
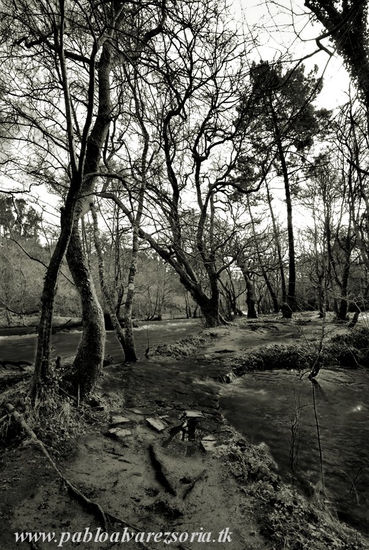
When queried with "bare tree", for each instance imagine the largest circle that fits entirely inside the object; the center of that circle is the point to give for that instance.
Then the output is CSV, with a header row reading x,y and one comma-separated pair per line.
x,y
64,111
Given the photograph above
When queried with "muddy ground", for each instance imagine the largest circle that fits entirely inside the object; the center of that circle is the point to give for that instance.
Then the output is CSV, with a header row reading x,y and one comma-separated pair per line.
x,y
203,478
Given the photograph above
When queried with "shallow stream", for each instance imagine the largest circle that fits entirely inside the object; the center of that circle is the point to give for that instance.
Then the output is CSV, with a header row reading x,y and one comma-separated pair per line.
x,y
150,334
313,430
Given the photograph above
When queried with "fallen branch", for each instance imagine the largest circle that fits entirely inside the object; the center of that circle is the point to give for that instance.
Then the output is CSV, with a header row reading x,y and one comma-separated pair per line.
x,y
13,392
59,328
192,485
92,506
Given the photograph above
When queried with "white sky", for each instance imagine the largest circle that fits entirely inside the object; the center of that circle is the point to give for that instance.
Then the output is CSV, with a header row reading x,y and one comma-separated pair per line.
x,y
273,27
275,31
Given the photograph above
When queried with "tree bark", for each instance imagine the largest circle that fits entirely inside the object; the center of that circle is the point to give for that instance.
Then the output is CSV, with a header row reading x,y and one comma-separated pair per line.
x,y
250,297
43,370
291,293
88,362
210,312
264,273
88,163
279,254
106,292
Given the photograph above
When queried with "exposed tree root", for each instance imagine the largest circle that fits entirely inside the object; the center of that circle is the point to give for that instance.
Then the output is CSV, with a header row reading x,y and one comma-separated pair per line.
x,y
102,516
160,471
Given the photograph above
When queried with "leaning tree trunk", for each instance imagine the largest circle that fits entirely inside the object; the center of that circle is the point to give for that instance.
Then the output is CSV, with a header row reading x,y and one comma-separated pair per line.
x,y
105,289
90,355
209,307
43,370
71,211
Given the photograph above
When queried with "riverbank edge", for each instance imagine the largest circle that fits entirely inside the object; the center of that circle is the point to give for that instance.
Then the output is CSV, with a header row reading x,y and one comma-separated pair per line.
x,y
285,517
288,518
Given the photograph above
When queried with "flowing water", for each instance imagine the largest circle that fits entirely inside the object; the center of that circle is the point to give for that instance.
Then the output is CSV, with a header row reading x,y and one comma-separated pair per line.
x,y
22,348
315,431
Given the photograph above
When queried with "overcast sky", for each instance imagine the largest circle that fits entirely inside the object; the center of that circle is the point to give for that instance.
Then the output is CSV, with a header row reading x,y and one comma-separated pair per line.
x,y
274,27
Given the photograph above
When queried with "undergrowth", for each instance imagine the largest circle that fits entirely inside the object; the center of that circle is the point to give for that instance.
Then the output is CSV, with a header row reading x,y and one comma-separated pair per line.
x,y
350,350
55,419
289,520
183,348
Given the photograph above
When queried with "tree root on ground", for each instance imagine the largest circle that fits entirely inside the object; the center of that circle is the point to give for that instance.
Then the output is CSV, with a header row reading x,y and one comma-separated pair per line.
x,y
89,504
160,470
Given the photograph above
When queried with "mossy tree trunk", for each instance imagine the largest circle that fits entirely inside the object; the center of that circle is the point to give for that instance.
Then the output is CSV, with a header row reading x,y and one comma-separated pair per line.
x,y
89,359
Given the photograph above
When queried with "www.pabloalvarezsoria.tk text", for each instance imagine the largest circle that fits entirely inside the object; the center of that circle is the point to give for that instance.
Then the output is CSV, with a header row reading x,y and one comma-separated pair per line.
x,y
91,536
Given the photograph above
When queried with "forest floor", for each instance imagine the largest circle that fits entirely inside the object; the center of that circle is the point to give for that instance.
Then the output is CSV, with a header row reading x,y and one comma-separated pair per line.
x,y
154,451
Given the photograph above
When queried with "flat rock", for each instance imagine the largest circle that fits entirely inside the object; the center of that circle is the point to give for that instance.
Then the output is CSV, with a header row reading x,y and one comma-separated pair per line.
x,y
119,433
208,443
139,411
117,419
193,414
156,423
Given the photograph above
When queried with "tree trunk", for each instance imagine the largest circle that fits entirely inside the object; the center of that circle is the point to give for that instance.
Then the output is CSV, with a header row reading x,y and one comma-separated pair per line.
x,y
272,293
73,209
210,311
250,298
90,354
279,254
130,350
269,285
344,283
106,292
291,293
43,369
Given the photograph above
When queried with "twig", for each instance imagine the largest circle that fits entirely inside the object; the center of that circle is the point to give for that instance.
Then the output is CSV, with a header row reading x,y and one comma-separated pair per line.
x,y
314,383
